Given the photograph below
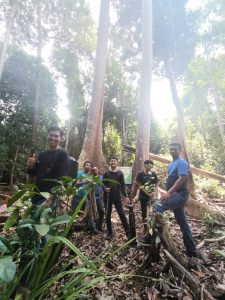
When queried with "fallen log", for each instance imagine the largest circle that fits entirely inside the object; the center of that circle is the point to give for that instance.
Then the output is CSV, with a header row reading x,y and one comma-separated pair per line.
x,y
194,170
196,287
220,204
5,198
219,239
198,210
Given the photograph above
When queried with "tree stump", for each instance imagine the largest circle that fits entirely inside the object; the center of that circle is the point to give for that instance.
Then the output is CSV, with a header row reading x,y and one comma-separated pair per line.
x,y
160,235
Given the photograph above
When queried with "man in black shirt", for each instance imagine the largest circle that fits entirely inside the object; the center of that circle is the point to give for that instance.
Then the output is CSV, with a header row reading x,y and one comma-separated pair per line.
x,y
112,196
143,179
51,163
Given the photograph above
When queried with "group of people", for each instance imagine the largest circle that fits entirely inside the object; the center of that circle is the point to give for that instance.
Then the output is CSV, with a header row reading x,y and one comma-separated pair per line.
x,y
52,163
106,194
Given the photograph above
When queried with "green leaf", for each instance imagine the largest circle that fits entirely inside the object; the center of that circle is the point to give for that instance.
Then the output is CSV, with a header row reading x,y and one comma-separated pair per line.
x,y
18,297
5,246
26,221
16,197
44,215
11,220
12,287
67,230
86,261
29,186
111,180
53,180
67,179
220,232
7,269
46,195
42,229
38,210
60,220
58,190
28,226
219,253
157,240
27,197
70,190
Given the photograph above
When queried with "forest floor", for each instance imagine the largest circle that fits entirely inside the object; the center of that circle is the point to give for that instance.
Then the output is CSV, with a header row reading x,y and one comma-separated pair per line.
x,y
158,281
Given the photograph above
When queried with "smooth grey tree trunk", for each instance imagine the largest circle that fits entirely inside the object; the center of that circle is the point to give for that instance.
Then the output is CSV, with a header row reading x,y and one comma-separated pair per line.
x,y
13,166
219,115
36,119
9,26
92,146
144,113
181,122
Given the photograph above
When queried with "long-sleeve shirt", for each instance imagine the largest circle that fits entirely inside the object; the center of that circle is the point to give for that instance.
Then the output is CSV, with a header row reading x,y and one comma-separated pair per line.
x,y
115,188
49,165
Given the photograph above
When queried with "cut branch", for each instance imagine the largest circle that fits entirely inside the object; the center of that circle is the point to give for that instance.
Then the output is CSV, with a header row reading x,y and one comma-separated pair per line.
x,y
196,287
220,239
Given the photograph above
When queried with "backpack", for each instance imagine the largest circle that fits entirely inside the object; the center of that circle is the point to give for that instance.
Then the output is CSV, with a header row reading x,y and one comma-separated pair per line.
x,y
72,167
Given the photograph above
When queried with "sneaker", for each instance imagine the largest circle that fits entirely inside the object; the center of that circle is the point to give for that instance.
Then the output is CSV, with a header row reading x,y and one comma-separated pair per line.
x,y
93,231
193,263
99,228
144,241
192,254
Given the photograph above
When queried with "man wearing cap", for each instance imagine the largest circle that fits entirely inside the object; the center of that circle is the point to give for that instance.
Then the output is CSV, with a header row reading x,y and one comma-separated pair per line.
x,y
144,178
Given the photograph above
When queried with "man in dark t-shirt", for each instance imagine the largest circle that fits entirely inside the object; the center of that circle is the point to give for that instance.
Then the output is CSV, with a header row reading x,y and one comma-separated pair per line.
x,y
146,181
112,196
51,163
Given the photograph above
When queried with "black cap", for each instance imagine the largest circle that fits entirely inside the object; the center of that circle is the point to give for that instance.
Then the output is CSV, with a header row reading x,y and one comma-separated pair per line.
x,y
148,162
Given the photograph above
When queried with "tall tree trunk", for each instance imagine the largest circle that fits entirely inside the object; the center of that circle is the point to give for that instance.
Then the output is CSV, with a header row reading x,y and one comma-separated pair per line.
x,y
204,132
13,166
219,115
181,122
9,26
144,113
179,109
67,135
92,146
69,122
123,136
36,119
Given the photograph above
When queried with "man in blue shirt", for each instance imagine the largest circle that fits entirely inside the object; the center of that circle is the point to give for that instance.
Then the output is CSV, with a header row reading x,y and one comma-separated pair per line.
x,y
176,196
82,179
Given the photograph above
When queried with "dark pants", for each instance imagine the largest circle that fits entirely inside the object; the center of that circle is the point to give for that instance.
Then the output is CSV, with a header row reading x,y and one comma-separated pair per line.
x,y
144,205
119,208
100,209
90,222
176,203
75,201
36,201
